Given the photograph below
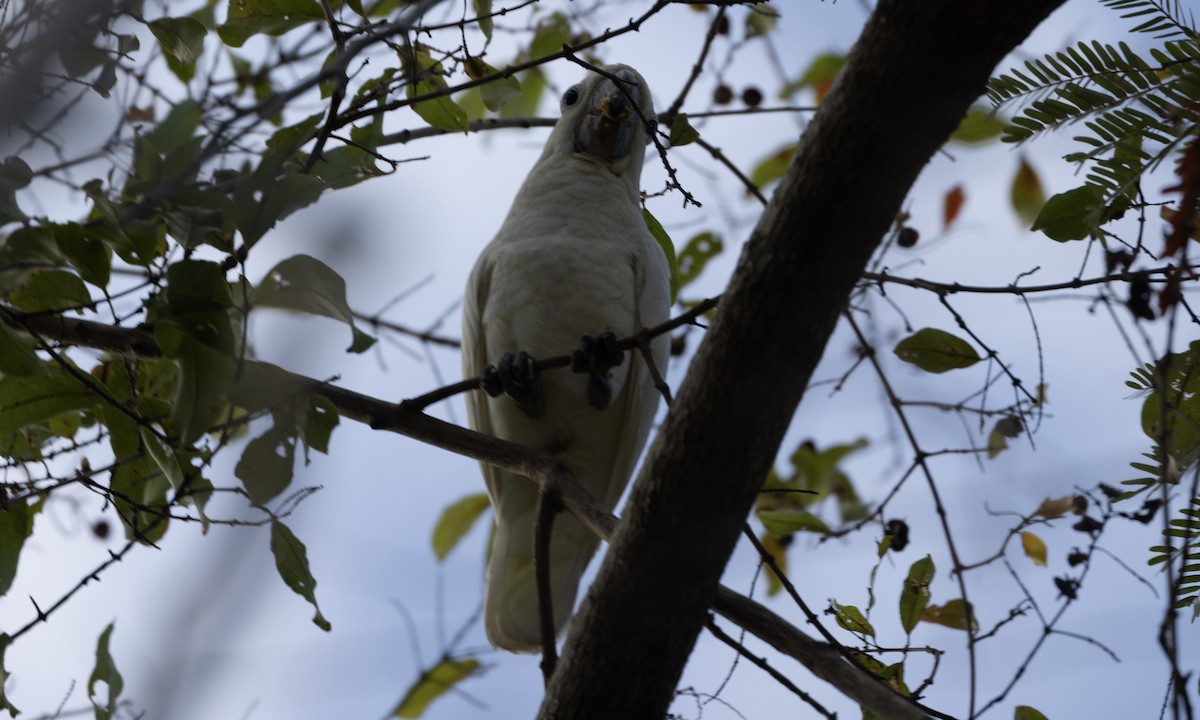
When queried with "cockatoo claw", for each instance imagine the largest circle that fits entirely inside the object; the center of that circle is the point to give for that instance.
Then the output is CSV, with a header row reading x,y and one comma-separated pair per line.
x,y
596,356
517,376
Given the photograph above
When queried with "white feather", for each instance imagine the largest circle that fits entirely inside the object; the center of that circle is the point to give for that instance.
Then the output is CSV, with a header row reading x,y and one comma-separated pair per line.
x,y
572,258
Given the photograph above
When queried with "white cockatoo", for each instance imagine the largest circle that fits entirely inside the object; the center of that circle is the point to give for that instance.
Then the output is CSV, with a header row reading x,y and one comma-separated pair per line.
x,y
574,257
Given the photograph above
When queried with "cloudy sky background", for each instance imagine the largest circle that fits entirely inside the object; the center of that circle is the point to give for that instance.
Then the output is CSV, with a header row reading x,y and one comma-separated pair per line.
x,y
205,629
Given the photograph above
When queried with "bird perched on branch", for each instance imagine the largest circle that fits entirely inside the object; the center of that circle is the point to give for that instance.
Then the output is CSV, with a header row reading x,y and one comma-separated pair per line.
x,y
573,258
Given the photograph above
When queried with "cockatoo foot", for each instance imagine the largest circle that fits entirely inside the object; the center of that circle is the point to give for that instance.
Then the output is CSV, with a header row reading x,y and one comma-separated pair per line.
x,y
517,376
596,356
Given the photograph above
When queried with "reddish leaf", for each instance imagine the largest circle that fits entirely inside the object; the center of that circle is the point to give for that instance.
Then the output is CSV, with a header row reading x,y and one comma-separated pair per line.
x,y
1183,224
952,204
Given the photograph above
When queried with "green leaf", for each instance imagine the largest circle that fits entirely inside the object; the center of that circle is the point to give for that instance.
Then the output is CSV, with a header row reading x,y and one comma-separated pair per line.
x,y
761,20
5,703
440,112
682,133
257,212
15,174
482,8
138,242
981,125
434,683
266,465
90,257
163,457
914,595
291,559
105,672
205,377
696,254
16,524
668,248
271,17
17,356
819,75
1024,712
533,86
196,330
1027,194
1181,434
177,128
182,41
954,614
936,351
785,522
345,166
106,80
52,290
306,284
496,93
852,619
195,216
33,400
456,521
551,34
140,497
1071,215
320,420
772,167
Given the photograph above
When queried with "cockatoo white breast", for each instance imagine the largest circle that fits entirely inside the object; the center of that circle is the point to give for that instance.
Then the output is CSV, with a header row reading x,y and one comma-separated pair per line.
x,y
573,258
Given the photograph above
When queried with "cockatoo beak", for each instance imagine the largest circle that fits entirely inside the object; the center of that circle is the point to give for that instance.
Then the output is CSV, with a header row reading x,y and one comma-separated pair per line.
x,y
609,122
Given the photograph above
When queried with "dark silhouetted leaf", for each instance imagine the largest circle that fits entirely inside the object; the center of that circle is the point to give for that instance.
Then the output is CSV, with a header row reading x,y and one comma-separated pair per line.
x,y
306,284
936,351
291,559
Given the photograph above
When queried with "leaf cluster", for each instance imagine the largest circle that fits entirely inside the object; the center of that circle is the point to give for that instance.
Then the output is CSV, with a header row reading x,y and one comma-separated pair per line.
x,y
1137,111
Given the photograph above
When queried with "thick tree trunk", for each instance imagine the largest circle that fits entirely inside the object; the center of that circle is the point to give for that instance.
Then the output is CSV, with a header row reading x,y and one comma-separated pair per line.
x,y
907,83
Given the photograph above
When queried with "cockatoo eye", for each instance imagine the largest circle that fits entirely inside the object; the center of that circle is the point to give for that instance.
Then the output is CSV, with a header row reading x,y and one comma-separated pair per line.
x,y
571,96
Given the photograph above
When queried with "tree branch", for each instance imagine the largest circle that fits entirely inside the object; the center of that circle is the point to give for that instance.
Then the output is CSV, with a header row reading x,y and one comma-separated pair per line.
x,y
548,472
881,122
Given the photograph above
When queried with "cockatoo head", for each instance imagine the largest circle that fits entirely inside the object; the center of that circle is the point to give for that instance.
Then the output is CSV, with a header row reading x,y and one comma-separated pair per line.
x,y
607,124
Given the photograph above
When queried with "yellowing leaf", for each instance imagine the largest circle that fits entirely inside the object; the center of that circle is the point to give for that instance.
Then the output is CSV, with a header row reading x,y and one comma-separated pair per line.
x,y
819,76
980,125
772,167
914,594
1055,508
494,93
1024,712
785,522
761,20
852,619
432,684
777,549
456,521
1034,548
955,614
1027,194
